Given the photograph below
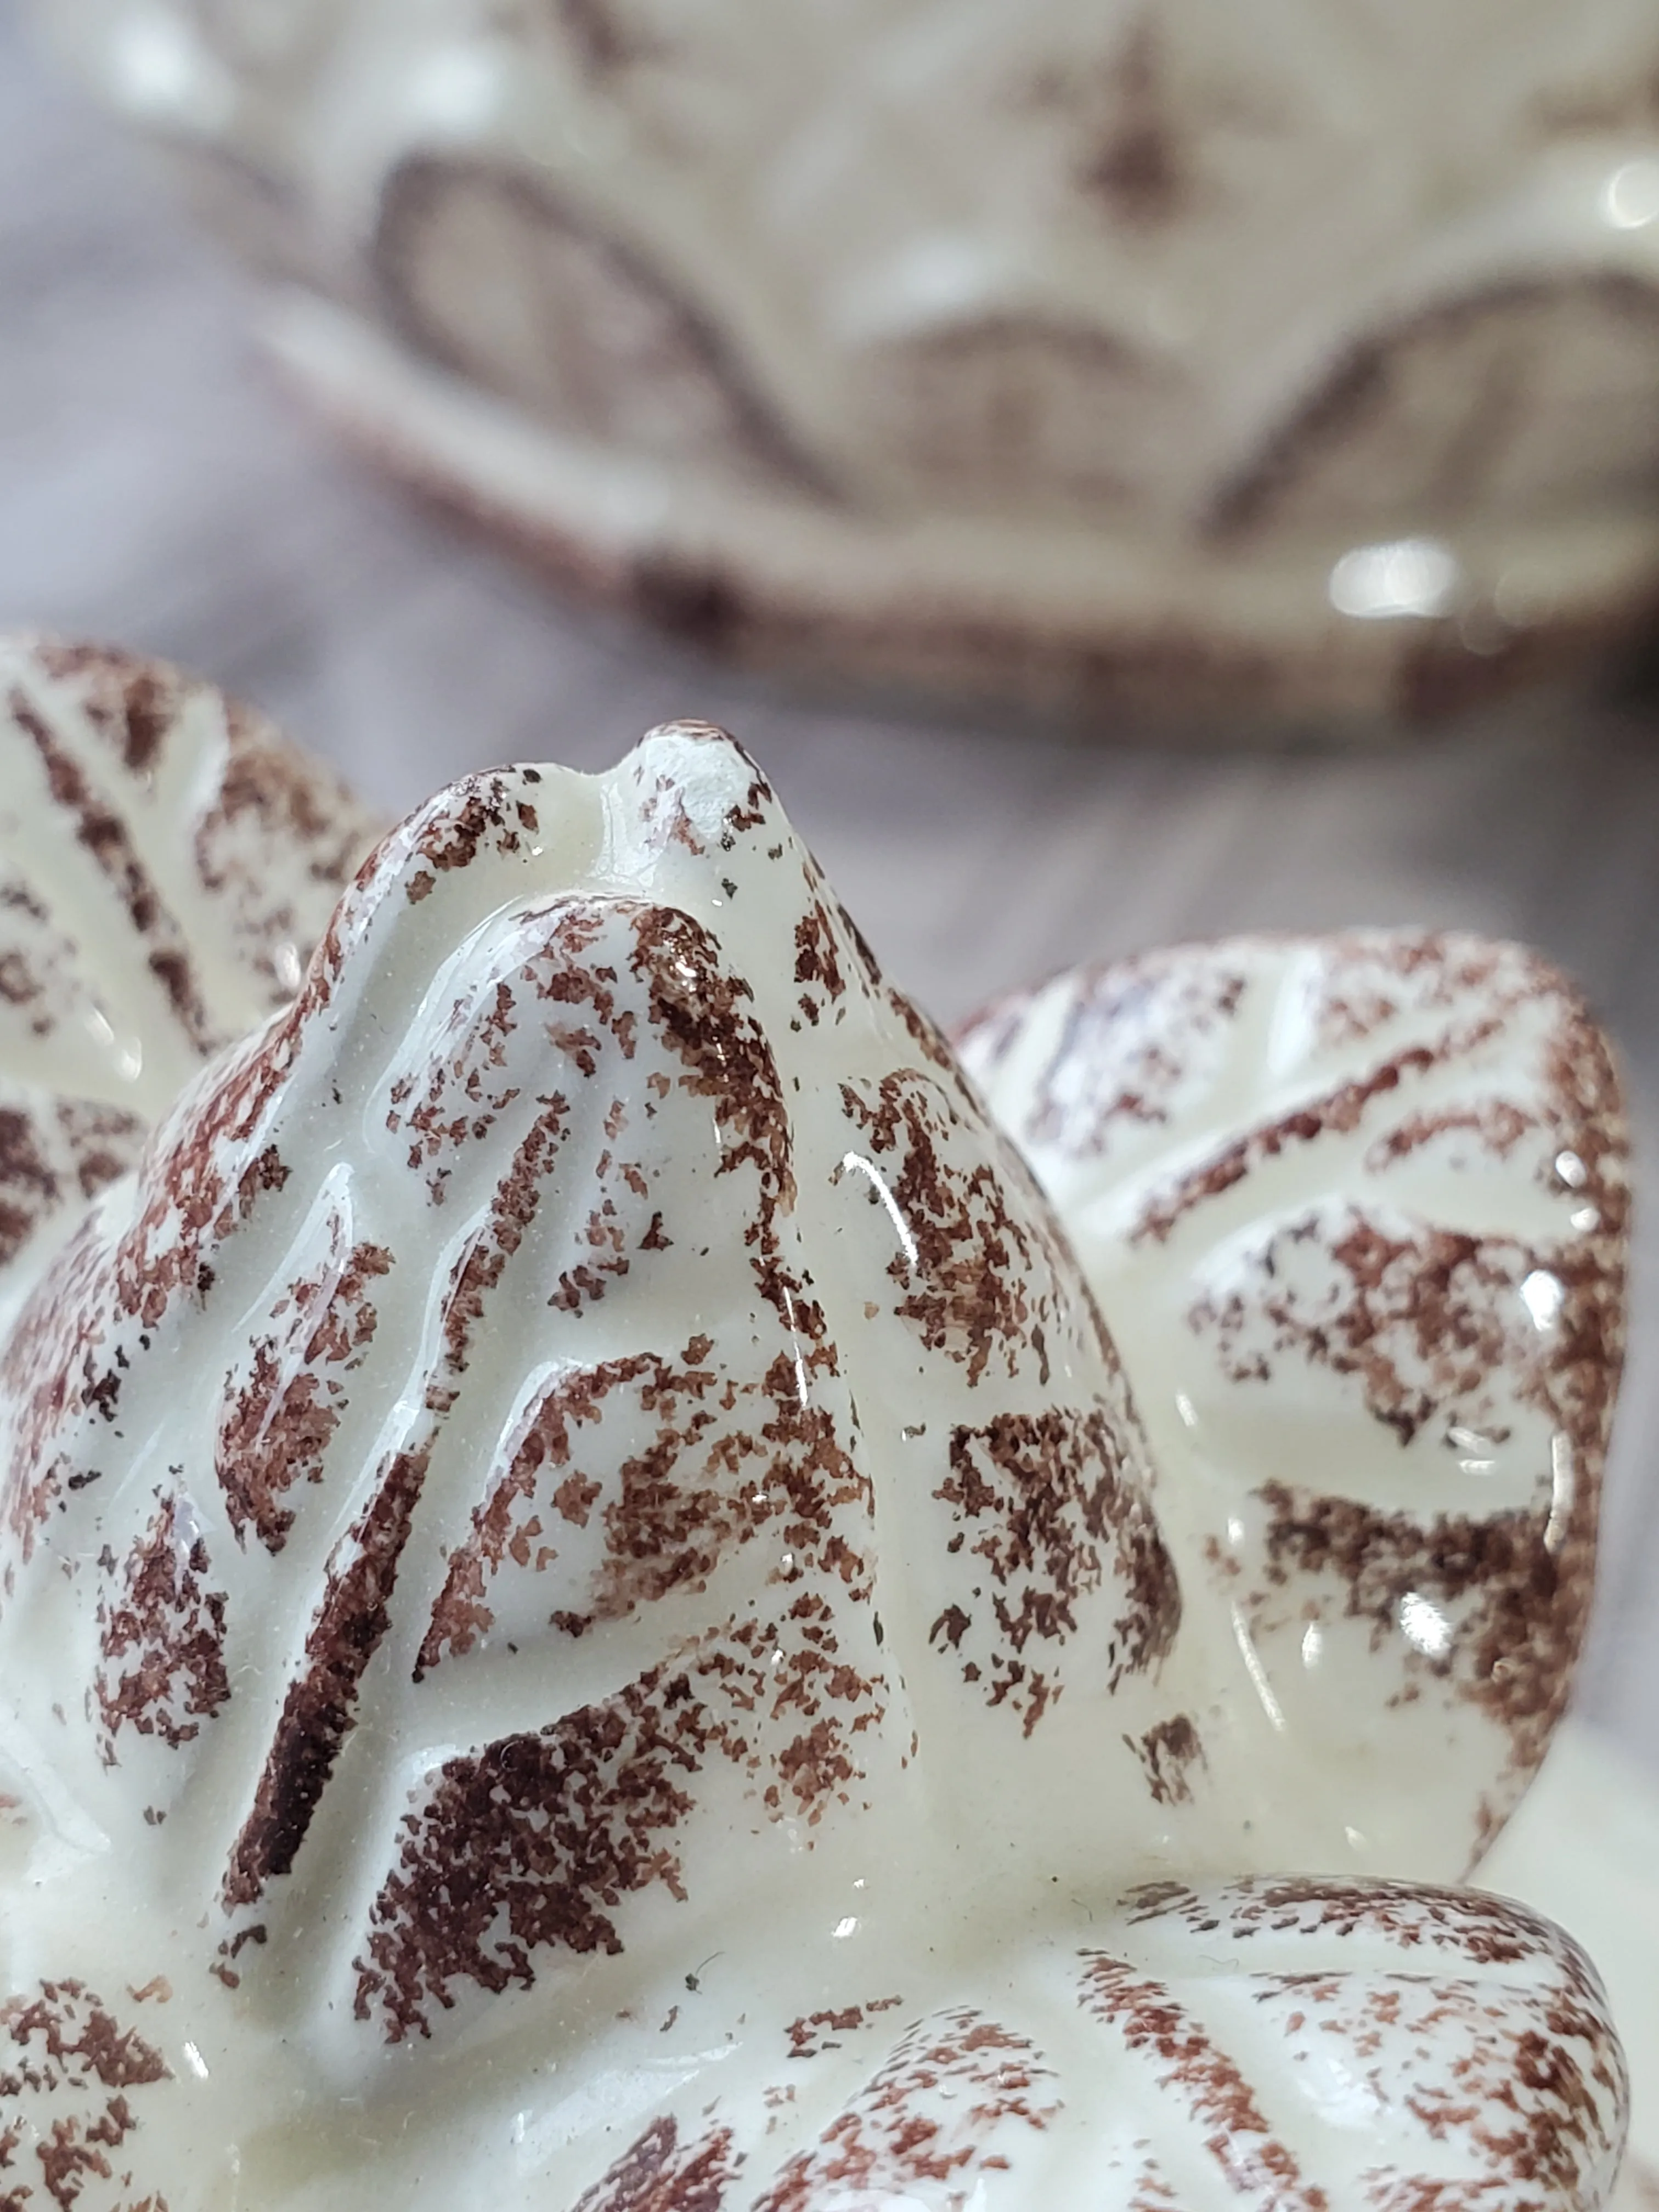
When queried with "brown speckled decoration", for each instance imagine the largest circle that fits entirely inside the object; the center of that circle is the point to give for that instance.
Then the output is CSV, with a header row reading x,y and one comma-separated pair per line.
x,y
1169,363
167,863
1356,1212
590,1605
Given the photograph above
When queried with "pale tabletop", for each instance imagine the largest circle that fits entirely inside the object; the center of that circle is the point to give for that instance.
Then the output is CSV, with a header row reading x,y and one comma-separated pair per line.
x,y
156,489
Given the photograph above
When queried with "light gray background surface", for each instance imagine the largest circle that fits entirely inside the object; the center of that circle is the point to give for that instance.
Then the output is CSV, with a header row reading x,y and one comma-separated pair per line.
x,y
156,489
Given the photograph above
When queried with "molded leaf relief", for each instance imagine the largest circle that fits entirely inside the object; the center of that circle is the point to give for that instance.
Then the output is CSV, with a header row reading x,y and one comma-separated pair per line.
x,y
593,1616
1164,361
1355,1211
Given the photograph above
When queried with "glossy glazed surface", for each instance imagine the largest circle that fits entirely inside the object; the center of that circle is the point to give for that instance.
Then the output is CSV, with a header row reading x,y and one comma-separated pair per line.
x,y
1292,362
167,863
588,1618
1583,1848
1356,1212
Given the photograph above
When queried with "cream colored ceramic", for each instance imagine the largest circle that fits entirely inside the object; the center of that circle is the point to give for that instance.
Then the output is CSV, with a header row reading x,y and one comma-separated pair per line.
x,y
1367,1177
167,864
1585,1847
1355,1211
1296,362
591,1617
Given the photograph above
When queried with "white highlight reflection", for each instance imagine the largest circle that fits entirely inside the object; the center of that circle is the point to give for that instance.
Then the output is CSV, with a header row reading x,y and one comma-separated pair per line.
x,y
459,88
856,1160
1410,576
1563,1489
1423,1625
1256,1671
1542,1295
1477,1451
1630,198
157,62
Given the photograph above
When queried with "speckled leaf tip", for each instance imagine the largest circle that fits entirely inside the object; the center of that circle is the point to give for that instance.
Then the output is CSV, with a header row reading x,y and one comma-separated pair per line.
x,y
588,1619
167,863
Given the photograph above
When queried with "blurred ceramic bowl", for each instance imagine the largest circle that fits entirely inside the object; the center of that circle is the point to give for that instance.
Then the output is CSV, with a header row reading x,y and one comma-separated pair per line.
x,y
1294,365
